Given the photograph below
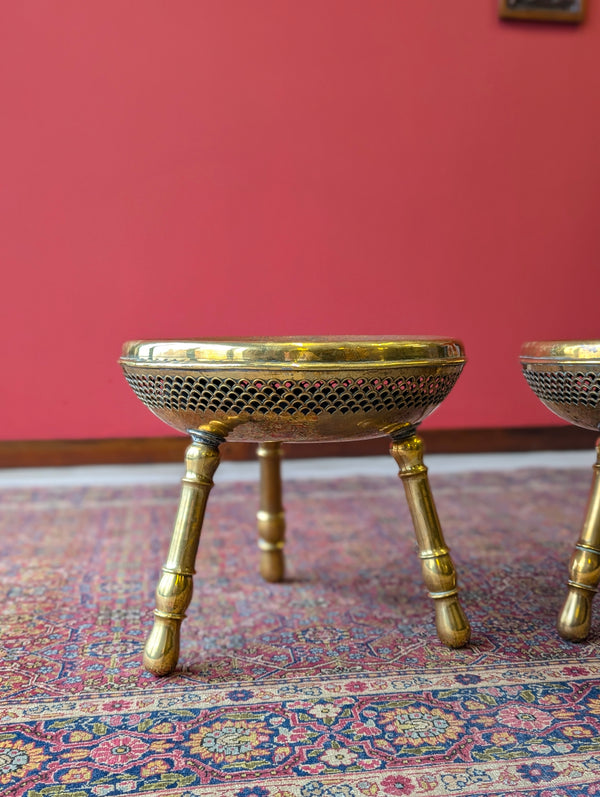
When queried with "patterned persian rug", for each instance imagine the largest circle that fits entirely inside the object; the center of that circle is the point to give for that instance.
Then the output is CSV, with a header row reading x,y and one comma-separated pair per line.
x,y
332,684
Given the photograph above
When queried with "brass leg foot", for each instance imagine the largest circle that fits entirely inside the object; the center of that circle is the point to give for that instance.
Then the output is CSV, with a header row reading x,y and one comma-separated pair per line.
x,y
584,570
174,590
436,565
270,516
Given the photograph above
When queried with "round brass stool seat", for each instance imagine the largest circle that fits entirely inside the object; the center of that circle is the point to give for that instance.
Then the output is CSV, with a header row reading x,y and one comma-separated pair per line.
x,y
294,391
274,390
565,376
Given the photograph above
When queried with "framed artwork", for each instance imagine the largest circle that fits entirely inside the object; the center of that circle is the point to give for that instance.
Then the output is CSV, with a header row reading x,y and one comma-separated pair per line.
x,y
543,10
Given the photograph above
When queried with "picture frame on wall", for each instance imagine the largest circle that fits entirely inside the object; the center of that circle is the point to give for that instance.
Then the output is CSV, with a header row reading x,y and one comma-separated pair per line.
x,y
543,10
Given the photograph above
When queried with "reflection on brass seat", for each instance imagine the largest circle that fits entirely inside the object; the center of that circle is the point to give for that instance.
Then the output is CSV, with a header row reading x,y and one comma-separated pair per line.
x,y
278,390
565,376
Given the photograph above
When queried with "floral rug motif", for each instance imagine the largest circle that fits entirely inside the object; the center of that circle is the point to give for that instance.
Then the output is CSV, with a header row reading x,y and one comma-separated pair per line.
x,y
332,684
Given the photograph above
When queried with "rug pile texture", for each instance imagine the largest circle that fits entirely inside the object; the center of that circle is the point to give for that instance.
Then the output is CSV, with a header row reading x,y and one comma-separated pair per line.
x,y
332,684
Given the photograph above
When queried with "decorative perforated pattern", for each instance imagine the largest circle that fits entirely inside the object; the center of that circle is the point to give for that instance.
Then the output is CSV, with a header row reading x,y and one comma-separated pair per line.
x,y
290,397
565,387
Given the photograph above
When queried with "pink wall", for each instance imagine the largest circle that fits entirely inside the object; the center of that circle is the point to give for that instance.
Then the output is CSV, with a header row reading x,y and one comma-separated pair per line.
x,y
201,168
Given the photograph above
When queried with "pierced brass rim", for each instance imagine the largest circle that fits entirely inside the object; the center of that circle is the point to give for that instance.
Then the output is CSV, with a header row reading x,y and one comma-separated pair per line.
x,y
298,353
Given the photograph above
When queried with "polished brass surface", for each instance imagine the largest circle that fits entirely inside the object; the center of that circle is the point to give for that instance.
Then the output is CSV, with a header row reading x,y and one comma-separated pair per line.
x,y
297,353
274,390
271,515
436,565
584,570
315,389
565,376
174,591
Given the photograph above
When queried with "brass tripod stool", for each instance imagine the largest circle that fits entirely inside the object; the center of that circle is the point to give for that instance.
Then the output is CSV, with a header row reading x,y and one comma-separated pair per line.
x,y
292,390
565,376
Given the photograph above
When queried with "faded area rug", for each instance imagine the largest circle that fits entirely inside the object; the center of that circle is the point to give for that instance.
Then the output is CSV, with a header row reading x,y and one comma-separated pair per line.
x,y
332,684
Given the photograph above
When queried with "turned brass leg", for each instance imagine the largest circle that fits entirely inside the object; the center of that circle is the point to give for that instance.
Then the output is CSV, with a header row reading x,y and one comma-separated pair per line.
x,y
438,571
584,569
174,590
270,516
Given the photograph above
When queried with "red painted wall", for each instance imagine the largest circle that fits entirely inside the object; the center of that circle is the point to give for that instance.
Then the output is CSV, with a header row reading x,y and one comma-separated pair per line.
x,y
201,168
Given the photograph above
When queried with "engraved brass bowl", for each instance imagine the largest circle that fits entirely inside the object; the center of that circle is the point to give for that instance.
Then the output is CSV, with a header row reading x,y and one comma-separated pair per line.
x,y
565,376
293,390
